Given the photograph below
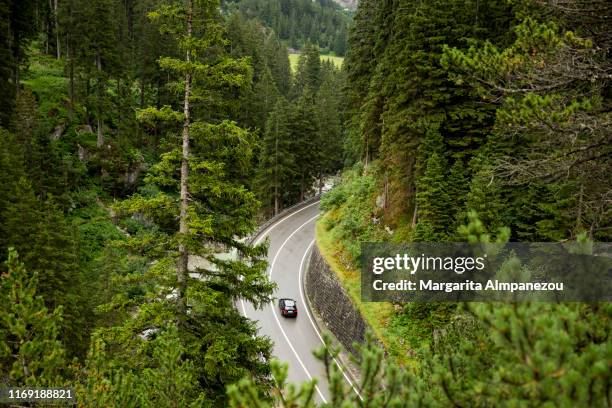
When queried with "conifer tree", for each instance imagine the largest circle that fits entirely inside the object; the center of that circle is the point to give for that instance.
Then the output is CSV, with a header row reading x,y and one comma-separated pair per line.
x,y
97,53
328,109
308,75
304,135
432,199
276,165
167,379
201,185
30,351
277,58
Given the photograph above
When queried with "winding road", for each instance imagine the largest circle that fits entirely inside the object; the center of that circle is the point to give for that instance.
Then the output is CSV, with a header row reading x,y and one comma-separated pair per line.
x,y
291,239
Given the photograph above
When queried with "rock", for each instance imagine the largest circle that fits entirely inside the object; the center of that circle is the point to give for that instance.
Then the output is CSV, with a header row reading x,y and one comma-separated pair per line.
x,y
332,303
58,131
83,154
132,174
84,129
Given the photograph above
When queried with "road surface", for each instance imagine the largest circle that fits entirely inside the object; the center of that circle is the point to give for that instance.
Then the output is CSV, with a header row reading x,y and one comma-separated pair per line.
x,y
291,239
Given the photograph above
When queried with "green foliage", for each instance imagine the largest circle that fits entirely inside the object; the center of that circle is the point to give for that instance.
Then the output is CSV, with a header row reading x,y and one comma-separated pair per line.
x,y
528,354
320,22
203,183
31,353
167,379
308,75
353,203
433,198
548,134
276,166
399,94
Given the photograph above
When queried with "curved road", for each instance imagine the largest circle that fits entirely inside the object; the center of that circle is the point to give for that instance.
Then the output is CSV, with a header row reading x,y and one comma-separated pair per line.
x,y
291,239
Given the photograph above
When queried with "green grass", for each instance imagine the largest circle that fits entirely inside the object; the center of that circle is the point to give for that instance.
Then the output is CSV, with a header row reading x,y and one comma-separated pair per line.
x,y
380,316
45,76
293,59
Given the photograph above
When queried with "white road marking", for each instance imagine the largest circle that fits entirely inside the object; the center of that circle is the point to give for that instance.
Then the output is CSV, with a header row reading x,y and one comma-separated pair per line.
x,y
264,233
273,306
314,326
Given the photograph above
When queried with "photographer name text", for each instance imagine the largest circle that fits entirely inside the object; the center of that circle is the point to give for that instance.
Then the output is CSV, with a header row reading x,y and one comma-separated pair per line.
x,y
468,285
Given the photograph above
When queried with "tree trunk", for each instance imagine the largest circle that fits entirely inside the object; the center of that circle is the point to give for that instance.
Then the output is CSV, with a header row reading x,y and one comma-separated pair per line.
x,y
580,203
302,187
416,208
99,113
142,93
48,32
182,272
71,79
276,171
100,142
320,182
367,156
57,32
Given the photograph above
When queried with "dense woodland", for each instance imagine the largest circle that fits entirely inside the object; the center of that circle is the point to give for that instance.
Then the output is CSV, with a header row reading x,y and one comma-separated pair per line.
x,y
141,141
138,139
298,22
481,121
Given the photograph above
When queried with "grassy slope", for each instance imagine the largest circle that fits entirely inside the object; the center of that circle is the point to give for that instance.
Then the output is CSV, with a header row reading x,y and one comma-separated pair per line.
x,y
293,58
380,316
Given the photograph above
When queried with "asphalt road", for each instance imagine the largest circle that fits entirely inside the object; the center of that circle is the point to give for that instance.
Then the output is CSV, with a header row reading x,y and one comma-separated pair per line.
x,y
291,239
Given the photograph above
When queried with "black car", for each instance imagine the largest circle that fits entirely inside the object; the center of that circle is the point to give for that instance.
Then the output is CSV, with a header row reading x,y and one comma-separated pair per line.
x,y
288,307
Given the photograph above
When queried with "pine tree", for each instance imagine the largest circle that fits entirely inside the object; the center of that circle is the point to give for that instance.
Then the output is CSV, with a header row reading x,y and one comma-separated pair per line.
x,y
360,64
304,135
308,75
328,109
266,94
98,54
276,164
30,351
540,112
168,379
49,248
201,185
277,58
433,202
17,30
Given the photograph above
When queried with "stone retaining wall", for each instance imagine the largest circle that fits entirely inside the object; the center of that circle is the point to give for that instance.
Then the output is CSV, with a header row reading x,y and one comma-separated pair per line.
x,y
331,302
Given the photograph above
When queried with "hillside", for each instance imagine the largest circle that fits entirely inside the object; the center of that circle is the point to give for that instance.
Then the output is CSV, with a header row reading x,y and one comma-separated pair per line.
x,y
169,168
140,144
320,22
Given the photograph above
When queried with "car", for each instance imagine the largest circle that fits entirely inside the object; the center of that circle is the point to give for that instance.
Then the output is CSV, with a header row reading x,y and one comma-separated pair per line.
x,y
288,307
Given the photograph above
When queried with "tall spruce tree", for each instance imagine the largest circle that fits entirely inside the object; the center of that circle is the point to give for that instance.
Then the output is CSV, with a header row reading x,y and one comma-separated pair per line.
x,y
304,136
276,165
328,109
308,74
203,210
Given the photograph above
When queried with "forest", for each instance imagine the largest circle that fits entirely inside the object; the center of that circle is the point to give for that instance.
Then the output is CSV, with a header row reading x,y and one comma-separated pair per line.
x,y
141,141
137,136
298,22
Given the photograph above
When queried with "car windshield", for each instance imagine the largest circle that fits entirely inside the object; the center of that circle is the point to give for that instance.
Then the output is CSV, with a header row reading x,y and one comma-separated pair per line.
x,y
289,303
